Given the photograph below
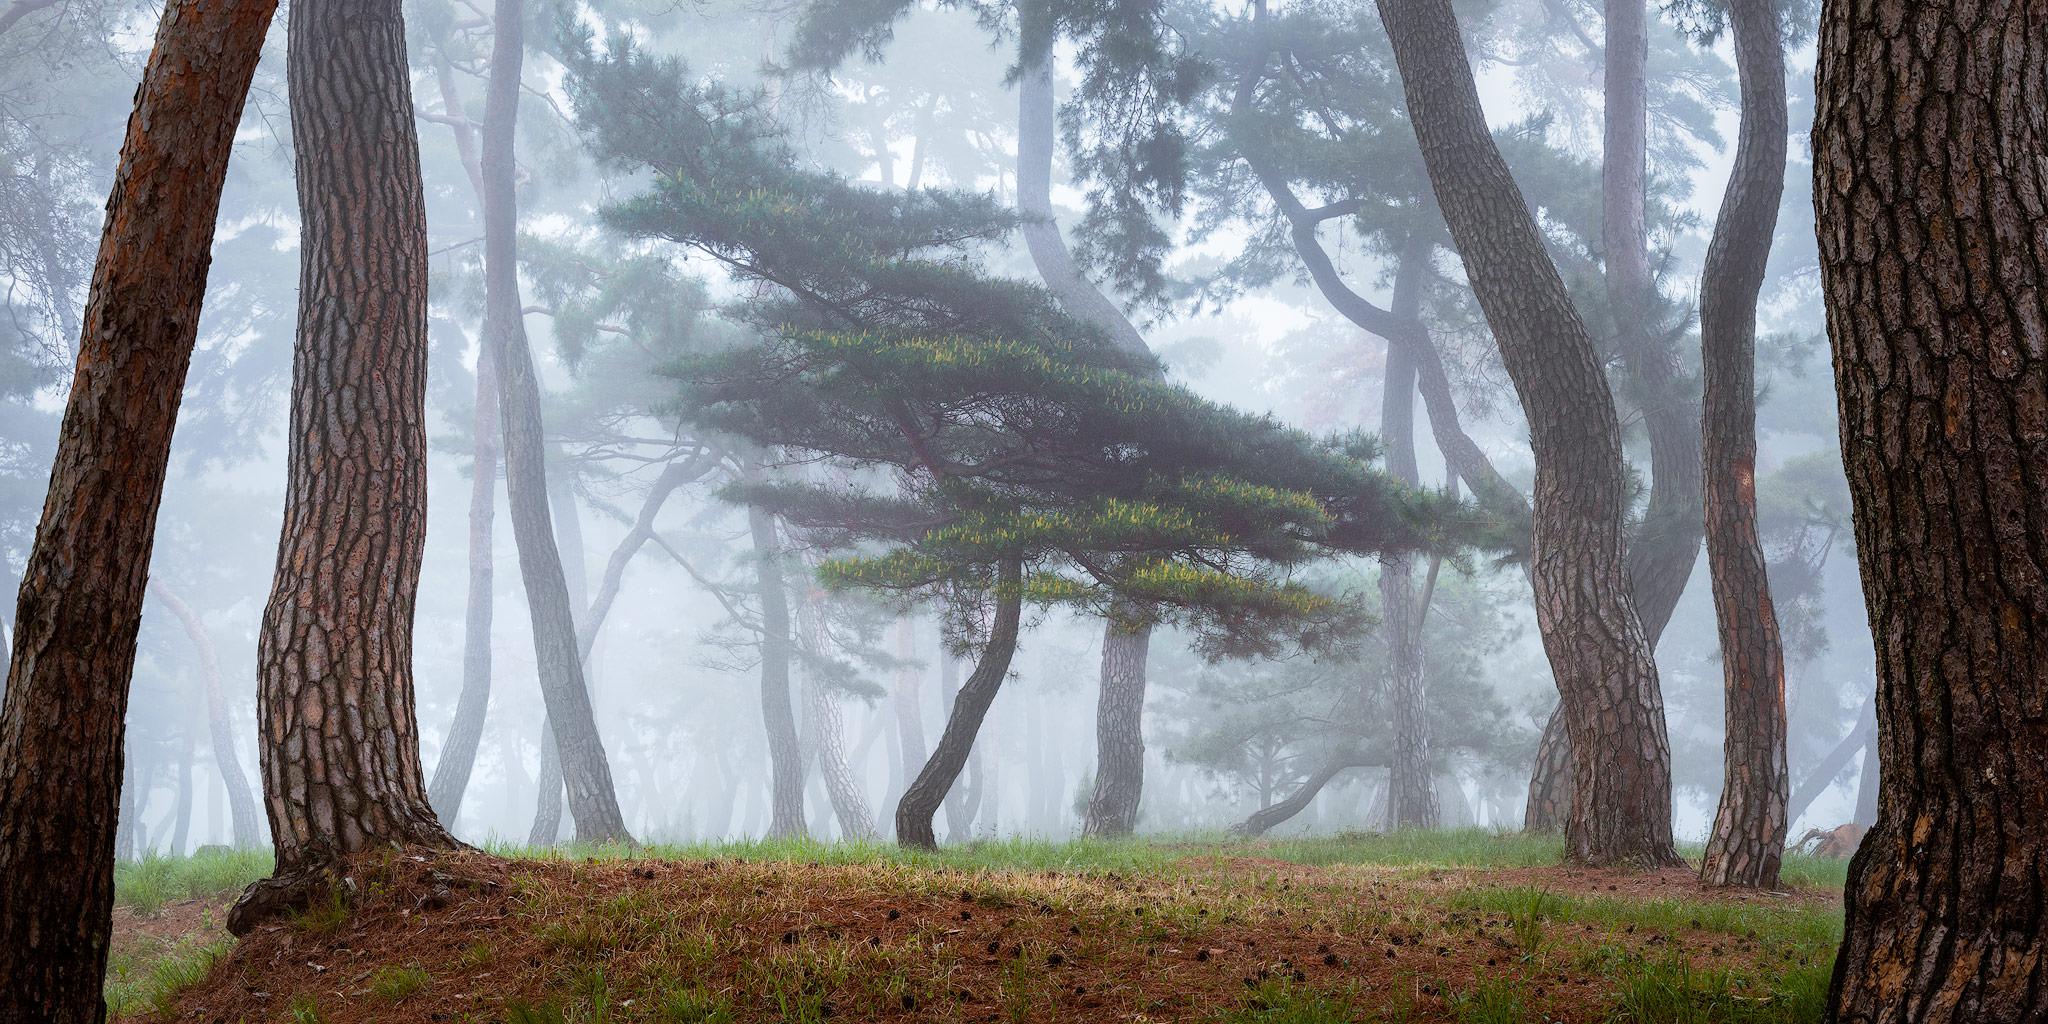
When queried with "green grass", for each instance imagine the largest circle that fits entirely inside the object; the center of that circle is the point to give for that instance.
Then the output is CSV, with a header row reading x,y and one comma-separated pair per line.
x,y
142,979
147,885
393,983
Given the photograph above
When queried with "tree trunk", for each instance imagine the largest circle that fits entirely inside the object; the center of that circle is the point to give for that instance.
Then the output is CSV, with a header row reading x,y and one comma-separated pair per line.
x,y
1119,732
908,703
1584,610
922,798
339,744
458,752
181,813
1931,194
1270,816
828,732
1667,543
592,799
547,811
1411,795
778,717
1748,839
220,730
80,603
1834,764
1550,781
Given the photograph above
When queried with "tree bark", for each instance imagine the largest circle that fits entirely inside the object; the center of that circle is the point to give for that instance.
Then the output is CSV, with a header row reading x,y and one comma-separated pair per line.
x,y
1748,839
1667,542
1411,791
80,601
220,730
547,811
922,798
778,716
1596,644
1931,196
458,753
587,772
339,742
1550,780
1119,731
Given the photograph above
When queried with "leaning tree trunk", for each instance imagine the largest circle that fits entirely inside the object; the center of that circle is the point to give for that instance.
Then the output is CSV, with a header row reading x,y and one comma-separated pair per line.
x,y
827,729
1411,790
921,799
1126,635
586,771
1667,543
1550,780
220,731
458,753
778,715
547,811
339,743
1748,839
1833,764
80,604
1270,816
1584,610
1931,195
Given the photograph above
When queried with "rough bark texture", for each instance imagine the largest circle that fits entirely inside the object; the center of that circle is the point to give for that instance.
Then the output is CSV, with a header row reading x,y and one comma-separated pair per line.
x,y
1119,732
339,745
1595,642
1550,780
1266,818
458,753
81,592
1748,839
921,799
1931,190
1411,791
587,772
778,715
247,831
1667,543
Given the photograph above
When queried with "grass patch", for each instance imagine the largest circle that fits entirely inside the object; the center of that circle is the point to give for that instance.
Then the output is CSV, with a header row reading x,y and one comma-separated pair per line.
x,y
394,984
147,885
146,977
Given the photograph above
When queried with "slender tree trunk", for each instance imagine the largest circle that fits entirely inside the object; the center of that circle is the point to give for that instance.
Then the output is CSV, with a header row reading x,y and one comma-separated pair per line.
x,y
907,701
587,772
778,716
1667,543
1931,196
1831,767
1411,796
181,813
339,743
922,799
220,730
547,813
81,594
1597,647
1748,839
466,734
828,731
1266,818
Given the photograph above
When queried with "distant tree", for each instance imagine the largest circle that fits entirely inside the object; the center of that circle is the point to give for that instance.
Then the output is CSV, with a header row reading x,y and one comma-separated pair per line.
x,y
81,596
1928,177
241,800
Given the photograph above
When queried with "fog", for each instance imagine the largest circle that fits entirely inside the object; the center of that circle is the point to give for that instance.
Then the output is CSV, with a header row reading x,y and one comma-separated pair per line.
x,y
675,670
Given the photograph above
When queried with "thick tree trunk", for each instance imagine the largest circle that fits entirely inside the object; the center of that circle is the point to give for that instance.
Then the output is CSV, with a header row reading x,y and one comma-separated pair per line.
x,y
1667,543
80,602
1596,644
1119,732
339,743
922,798
220,730
1931,195
1748,839
778,716
1271,816
1411,794
1550,781
586,771
458,753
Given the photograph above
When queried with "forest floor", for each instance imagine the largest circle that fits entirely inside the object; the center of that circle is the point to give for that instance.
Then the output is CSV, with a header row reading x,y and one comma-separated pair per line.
x,y
1464,927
